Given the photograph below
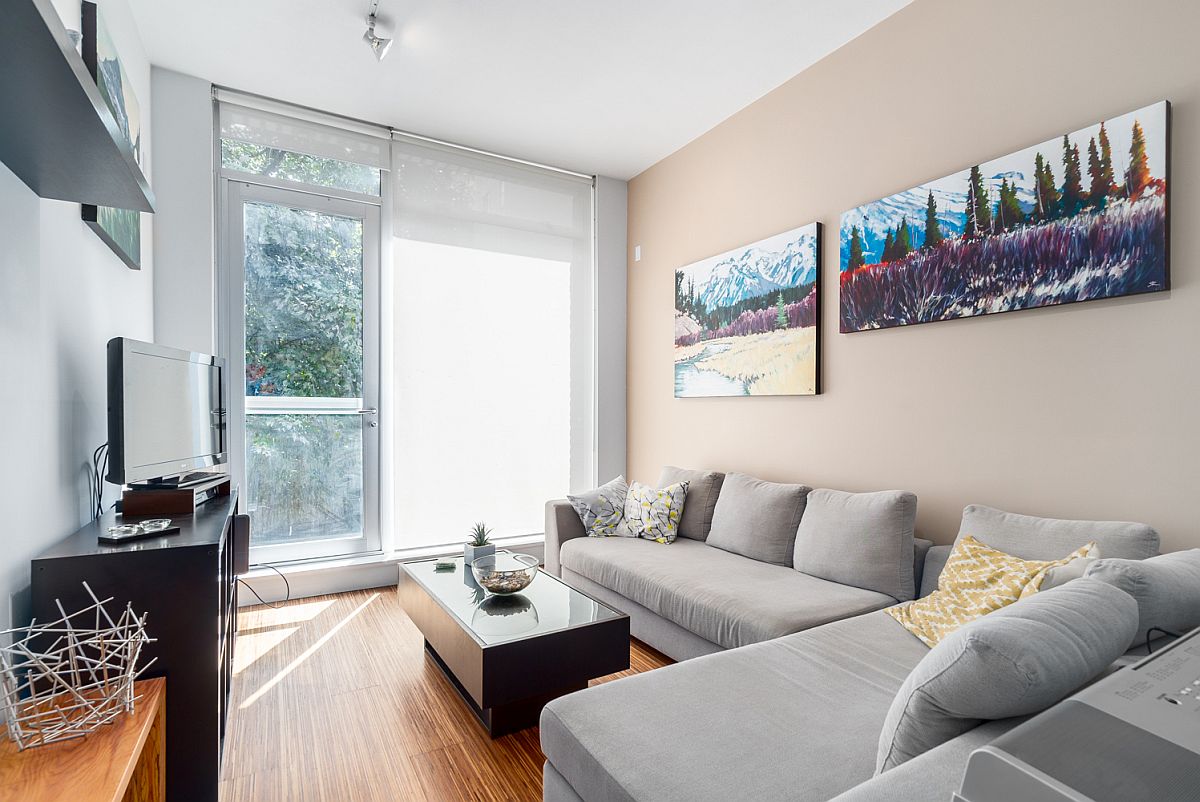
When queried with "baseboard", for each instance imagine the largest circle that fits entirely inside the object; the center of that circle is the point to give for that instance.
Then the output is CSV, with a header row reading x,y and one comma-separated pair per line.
x,y
310,579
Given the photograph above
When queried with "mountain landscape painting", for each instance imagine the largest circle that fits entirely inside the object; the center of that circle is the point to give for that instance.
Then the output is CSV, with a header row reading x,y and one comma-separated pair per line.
x,y
746,321
1076,218
120,229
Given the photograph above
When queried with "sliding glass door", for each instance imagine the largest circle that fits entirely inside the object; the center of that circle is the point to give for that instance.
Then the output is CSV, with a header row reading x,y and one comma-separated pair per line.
x,y
303,300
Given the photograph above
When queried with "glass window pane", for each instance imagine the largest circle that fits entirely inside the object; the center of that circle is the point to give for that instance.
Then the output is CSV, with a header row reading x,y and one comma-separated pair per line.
x,y
288,165
304,477
304,303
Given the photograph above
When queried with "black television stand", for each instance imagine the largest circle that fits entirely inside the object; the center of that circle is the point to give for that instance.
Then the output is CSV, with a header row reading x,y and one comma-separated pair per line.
x,y
186,584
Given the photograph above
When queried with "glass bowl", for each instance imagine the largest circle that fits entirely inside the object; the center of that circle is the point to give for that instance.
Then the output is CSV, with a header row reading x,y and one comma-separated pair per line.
x,y
503,573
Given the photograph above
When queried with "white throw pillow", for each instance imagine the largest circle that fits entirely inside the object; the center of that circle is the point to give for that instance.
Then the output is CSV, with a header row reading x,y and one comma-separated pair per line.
x,y
602,510
655,514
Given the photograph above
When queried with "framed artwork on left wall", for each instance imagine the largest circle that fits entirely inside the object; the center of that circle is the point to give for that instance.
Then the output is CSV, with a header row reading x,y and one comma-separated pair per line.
x,y
120,229
747,321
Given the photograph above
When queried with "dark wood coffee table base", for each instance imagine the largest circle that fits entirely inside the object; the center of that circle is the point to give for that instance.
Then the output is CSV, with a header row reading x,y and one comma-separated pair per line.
x,y
503,719
507,682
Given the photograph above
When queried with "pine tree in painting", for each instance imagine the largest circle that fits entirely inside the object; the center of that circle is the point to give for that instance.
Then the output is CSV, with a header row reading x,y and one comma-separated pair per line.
x,y
903,240
1138,176
983,206
1107,183
1008,209
1072,191
888,250
976,199
781,316
856,249
1095,196
1047,203
933,229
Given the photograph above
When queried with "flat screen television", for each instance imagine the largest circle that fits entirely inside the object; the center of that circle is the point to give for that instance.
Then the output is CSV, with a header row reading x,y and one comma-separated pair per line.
x,y
166,412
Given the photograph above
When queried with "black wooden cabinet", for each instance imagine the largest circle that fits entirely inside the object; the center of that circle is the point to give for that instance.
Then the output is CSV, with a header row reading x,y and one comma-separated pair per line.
x,y
186,583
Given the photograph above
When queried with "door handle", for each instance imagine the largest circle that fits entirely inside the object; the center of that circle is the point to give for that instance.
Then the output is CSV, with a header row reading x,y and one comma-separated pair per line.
x,y
367,411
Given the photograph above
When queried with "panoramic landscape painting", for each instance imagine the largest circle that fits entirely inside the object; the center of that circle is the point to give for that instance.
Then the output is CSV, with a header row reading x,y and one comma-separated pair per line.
x,y
746,320
1076,218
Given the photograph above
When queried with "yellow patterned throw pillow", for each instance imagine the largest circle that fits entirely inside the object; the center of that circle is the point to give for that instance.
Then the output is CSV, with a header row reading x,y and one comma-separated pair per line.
x,y
653,513
977,580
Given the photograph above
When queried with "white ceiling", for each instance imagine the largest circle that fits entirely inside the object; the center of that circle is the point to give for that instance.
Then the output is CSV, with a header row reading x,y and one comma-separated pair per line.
x,y
599,86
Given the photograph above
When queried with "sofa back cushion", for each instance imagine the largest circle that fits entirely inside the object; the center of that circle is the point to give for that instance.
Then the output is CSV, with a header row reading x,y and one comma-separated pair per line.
x,y
758,519
859,539
701,501
1167,589
1013,662
1032,538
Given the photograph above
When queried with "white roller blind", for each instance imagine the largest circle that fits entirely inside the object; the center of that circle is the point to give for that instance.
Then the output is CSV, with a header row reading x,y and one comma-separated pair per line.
x,y
263,127
494,352
457,197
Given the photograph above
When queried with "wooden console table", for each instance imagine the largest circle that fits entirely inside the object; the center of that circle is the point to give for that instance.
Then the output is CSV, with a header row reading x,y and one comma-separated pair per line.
x,y
121,762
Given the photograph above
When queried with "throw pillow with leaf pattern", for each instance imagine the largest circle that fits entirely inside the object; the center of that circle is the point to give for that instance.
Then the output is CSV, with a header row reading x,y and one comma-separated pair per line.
x,y
977,580
602,510
655,513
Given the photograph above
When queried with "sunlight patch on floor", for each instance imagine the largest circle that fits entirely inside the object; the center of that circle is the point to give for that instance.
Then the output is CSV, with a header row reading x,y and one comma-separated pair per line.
x,y
307,653
253,645
292,613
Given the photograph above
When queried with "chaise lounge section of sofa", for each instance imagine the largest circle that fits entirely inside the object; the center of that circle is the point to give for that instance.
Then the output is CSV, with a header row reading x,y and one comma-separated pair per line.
x,y
796,717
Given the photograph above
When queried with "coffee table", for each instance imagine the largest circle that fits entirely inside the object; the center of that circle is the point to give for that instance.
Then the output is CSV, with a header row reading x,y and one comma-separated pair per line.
x,y
510,655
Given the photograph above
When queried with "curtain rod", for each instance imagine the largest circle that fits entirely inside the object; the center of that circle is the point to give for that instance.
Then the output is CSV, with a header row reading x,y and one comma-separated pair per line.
x,y
394,132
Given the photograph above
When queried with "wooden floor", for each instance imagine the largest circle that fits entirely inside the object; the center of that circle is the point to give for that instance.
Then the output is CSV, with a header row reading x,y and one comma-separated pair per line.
x,y
334,699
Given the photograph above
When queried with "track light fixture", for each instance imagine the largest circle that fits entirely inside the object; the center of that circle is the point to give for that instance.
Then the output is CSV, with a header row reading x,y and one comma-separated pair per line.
x,y
379,44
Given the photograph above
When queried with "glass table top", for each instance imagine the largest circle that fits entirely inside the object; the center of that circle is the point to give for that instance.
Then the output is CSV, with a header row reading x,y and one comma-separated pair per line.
x,y
546,605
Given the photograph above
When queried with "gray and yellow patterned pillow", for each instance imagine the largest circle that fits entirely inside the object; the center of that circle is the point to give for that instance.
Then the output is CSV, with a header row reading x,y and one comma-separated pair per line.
x,y
602,510
655,514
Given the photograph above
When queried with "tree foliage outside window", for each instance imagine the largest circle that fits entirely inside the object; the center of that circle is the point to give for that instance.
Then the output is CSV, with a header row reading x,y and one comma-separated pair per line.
x,y
287,165
304,476
304,303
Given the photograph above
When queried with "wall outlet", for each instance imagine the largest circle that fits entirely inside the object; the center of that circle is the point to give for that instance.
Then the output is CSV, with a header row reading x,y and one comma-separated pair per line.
x,y
637,253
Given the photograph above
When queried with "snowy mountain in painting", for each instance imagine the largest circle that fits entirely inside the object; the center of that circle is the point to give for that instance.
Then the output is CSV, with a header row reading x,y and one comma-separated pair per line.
x,y
754,272
875,220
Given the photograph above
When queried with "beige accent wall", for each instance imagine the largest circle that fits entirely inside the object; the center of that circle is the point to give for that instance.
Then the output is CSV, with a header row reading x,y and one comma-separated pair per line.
x,y
1083,411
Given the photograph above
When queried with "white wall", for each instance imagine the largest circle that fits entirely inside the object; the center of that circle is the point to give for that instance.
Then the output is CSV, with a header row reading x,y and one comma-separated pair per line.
x,y
65,294
185,277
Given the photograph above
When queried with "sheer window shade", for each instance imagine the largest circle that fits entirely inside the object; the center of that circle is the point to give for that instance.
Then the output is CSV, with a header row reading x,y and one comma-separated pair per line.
x,y
493,341
263,127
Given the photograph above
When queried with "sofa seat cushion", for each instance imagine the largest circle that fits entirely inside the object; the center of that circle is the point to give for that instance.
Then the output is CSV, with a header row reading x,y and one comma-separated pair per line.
x,y
793,718
729,600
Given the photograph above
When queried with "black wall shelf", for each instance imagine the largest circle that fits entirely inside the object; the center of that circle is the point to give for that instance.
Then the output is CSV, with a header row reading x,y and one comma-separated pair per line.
x,y
56,134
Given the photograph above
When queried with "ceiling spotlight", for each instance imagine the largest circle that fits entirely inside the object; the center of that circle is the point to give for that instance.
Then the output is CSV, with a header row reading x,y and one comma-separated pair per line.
x,y
379,44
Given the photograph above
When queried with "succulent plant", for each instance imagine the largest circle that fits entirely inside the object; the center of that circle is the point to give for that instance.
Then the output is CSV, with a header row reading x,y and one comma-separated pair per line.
x,y
479,535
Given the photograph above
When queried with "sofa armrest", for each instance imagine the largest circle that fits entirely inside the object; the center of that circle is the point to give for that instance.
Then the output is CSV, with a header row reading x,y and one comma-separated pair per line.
x,y
562,524
935,561
921,547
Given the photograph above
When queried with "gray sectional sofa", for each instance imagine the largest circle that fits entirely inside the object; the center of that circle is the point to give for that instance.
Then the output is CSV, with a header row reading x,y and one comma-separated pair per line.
x,y
693,598
793,676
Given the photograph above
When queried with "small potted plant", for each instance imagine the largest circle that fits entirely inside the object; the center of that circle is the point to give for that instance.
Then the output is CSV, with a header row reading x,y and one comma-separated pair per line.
x,y
480,545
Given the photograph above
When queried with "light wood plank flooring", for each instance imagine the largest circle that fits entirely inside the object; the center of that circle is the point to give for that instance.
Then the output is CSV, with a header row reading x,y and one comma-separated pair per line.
x,y
334,700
